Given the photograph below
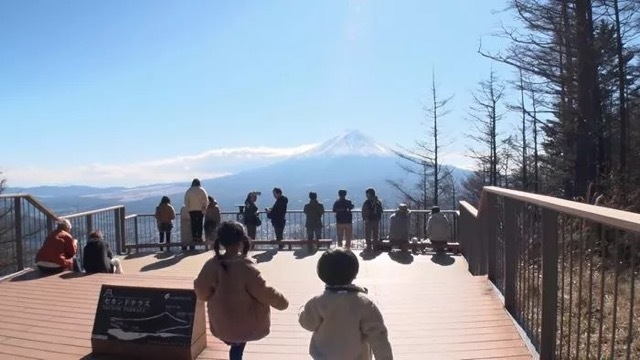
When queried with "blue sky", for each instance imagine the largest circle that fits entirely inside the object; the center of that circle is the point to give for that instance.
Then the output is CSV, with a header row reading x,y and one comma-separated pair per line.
x,y
119,84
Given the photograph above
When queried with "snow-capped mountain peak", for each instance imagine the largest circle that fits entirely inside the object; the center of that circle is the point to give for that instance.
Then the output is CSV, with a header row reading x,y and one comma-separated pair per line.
x,y
349,143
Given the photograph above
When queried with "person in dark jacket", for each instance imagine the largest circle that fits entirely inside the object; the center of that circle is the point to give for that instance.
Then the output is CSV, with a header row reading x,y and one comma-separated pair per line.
x,y
313,211
344,218
371,215
251,216
97,257
277,214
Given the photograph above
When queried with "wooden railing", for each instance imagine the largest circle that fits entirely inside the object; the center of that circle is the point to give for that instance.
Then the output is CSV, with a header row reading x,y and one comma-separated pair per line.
x,y
142,229
568,271
25,223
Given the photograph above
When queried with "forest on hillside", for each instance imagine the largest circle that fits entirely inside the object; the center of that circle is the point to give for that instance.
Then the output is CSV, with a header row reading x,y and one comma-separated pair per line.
x,y
577,118
579,85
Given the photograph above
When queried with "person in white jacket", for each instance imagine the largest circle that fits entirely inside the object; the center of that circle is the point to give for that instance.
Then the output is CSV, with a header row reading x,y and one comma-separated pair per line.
x,y
196,201
438,230
345,323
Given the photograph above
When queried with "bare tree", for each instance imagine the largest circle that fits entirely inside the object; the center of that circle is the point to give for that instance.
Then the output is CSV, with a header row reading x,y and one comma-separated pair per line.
x,y
423,160
523,129
485,115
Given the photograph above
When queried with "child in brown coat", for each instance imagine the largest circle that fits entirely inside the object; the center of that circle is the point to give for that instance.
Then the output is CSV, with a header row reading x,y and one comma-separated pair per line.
x,y
238,298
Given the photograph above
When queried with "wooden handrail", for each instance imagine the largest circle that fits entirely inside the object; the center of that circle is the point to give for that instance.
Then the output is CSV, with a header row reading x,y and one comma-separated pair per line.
x,y
469,208
623,220
35,202
91,212
300,211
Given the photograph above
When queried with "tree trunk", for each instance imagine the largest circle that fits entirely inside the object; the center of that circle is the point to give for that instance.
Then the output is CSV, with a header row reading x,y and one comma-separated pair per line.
x,y
622,109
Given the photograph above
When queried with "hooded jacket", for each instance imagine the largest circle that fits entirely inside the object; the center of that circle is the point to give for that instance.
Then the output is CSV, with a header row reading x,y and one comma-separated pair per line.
x,y
346,324
238,299
438,228
399,224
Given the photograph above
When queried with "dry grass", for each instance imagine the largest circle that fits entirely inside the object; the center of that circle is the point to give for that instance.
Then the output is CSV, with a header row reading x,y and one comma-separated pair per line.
x,y
598,302
599,311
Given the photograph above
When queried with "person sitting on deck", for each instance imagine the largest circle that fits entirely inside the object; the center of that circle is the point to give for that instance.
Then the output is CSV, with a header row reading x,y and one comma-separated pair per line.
x,y
98,258
238,298
438,231
345,323
399,223
58,252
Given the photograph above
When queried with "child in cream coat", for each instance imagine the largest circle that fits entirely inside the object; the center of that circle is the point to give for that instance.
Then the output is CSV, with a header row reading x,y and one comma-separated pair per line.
x,y
345,323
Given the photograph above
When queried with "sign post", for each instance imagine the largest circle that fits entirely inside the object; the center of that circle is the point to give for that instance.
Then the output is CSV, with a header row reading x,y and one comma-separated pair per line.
x,y
149,323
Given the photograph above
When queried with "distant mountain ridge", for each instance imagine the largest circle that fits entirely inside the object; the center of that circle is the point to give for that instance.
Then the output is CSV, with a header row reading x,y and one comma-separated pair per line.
x,y
351,161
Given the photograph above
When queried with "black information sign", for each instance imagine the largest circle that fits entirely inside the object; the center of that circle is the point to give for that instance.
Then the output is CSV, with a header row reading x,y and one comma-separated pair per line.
x,y
141,315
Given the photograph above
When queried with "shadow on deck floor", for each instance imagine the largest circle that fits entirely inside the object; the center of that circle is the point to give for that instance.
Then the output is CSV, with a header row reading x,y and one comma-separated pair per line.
x,y
433,307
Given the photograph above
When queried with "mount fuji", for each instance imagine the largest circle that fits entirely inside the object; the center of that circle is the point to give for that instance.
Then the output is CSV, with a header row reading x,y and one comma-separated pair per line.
x,y
352,161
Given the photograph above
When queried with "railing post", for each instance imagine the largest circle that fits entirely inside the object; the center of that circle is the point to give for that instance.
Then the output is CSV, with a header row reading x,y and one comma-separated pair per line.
x,y
549,313
89,224
469,226
17,214
135,229
118,220
490,222
510,254
123,232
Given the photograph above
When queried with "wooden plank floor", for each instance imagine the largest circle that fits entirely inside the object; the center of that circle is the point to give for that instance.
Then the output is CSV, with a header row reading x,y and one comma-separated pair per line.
x,y
433,311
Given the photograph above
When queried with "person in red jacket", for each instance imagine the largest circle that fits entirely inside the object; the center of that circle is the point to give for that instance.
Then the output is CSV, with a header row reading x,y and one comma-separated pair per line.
x,y
58,252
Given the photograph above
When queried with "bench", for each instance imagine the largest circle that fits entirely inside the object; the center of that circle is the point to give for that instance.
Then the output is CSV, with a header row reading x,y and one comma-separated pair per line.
x,y
420,245
289,243
129,247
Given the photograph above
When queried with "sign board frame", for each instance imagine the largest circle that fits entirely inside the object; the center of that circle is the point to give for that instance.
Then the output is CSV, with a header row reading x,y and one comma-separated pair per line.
x,y
149,323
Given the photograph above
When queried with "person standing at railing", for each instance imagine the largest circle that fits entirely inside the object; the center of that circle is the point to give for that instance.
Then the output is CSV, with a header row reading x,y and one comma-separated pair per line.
x,y
314,212
58,252
371,215
212,219
278,213
344,218
438,231
399,224
185,228
98,258
196,201
250,215
165,214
